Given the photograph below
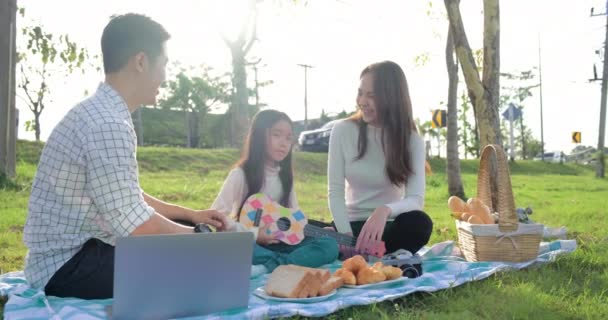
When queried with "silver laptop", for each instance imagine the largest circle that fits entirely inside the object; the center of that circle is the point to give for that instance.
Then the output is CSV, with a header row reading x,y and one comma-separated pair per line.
x,y
173,276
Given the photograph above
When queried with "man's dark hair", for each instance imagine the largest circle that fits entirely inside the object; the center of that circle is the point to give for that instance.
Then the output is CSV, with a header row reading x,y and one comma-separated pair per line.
x,y
127,35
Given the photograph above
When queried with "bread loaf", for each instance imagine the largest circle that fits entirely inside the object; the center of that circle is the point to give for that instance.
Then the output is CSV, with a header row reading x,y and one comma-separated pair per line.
x,y
322,274
286,282
291,281
330,285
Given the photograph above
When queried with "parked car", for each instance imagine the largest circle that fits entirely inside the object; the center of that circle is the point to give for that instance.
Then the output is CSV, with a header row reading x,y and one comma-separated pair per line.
x,y
316,140
555,156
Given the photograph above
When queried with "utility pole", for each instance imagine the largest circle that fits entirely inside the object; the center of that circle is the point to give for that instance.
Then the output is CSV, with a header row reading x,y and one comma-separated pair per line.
x,y
305,66
540,76
8,121
600,141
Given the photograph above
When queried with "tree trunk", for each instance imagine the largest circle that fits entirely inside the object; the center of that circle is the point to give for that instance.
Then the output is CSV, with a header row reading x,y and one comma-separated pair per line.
x,y
187,127
194,129
455,187
37,124
523,138
484,93
240,98
8,10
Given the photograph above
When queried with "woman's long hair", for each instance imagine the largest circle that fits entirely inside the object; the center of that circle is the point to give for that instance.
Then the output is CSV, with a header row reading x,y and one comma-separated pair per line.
x,y
394,112
253,158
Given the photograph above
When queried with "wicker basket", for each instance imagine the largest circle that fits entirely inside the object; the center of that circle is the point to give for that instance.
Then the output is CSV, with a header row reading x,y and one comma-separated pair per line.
x,y
508,240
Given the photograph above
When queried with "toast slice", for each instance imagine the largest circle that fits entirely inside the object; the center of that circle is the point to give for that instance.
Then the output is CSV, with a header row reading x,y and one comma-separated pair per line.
x,y
286,282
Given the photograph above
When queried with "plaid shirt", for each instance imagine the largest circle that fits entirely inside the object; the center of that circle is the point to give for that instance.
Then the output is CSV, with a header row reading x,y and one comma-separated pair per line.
x,y
86,185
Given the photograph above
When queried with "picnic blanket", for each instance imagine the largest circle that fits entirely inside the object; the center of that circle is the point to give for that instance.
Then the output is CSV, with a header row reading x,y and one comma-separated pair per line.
x,y
443,267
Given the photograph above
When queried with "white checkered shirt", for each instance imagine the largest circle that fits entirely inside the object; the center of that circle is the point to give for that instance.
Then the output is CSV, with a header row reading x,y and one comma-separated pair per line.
x,y
86,185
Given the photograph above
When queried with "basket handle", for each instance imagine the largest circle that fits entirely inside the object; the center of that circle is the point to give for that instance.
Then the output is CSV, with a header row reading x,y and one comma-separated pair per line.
x,y
505,206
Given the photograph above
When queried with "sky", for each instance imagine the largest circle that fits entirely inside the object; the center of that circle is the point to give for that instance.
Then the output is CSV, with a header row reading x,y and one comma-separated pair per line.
x,y
340,37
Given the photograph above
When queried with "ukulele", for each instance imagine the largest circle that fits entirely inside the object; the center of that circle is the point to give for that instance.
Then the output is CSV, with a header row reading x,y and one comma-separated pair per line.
x,y
290,226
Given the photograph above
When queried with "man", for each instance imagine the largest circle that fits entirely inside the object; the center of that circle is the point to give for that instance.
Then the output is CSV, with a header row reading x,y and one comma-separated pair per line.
x,y
86,191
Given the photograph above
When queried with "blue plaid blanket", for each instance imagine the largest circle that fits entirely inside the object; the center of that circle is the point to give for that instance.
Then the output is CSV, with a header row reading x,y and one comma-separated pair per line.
x,y
443,267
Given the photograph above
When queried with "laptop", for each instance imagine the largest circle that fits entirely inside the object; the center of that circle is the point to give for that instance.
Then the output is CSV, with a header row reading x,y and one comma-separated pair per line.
x,y
173,276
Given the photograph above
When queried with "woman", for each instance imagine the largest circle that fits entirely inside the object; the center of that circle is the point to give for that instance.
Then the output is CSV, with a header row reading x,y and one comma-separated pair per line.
x,y
376,166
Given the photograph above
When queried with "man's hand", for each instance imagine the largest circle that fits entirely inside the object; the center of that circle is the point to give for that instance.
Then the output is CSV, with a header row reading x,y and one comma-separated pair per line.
x,y
373,228
210,217
266,239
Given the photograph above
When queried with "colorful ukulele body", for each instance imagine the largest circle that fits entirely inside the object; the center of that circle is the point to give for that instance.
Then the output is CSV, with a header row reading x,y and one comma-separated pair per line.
x,y
290,226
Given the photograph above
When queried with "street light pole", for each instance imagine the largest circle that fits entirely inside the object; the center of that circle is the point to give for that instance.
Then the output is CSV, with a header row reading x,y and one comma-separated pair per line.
x,y
540,75
306,67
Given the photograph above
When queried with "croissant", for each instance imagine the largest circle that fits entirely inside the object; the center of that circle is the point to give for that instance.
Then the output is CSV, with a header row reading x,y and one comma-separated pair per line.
x,y
391,272
346,275
378,266
354,264
369,275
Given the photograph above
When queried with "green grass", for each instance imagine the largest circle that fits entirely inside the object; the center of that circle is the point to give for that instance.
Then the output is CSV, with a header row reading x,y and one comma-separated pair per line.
x,y
573,287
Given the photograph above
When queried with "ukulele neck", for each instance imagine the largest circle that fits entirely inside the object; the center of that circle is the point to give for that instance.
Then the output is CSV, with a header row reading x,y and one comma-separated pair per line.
x,y
318,232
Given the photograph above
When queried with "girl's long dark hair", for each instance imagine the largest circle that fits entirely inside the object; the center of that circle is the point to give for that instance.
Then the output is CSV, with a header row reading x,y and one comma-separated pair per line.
x,y
253,158
394,112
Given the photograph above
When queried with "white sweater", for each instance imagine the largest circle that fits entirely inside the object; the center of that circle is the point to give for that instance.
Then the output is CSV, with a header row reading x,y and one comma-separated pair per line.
x,y
357,187
233,191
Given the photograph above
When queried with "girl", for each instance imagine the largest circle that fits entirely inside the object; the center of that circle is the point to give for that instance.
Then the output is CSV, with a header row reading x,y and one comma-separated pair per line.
x,y
376,166
266,166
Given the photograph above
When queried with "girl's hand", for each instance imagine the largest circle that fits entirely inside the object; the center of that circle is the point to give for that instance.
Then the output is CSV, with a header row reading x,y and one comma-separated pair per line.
x,y
265,239
373,228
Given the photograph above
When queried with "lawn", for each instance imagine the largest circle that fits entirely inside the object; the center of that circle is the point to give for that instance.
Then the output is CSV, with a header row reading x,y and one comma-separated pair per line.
x,y
573,287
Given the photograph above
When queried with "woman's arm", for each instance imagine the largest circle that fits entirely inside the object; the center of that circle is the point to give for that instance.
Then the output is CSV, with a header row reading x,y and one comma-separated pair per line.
x,y
335,179
415,189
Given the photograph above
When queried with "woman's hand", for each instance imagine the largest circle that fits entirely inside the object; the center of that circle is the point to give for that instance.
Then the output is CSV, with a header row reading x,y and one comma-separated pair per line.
x,y
373,228
265,239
